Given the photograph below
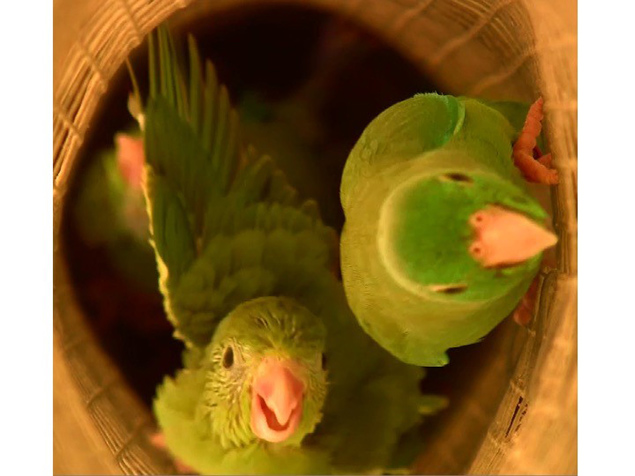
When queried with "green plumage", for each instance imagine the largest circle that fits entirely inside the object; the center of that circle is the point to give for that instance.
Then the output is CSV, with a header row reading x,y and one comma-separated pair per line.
x,y
236,250
415,176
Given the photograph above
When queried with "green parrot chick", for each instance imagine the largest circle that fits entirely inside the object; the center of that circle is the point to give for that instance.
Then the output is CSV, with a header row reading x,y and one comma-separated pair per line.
x,y
442,238
265,375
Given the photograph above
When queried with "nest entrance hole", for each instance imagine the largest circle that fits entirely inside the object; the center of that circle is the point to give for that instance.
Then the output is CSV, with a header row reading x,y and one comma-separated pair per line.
x,y
270,54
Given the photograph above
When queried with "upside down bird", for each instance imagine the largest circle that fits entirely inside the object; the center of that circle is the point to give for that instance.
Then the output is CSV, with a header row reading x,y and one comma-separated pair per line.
x,y
442,238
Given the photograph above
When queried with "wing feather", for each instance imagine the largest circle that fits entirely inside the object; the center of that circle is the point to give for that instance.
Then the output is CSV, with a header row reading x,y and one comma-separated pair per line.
x,y
219,211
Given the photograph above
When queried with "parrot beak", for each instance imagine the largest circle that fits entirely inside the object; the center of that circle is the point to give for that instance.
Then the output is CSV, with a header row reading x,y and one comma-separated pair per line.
x,y
505,238
276,403
130,158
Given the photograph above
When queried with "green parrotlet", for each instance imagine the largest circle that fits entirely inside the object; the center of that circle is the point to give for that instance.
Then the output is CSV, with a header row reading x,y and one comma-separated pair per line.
x,y
442,238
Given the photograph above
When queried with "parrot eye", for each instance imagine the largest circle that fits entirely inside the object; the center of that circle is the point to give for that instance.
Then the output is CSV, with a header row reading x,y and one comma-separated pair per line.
x,y
228,357
324,361
457,177
449,288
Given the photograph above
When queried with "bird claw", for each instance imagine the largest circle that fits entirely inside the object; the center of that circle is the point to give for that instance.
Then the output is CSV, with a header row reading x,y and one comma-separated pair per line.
x,y
158,440
537,170
524,312
546,160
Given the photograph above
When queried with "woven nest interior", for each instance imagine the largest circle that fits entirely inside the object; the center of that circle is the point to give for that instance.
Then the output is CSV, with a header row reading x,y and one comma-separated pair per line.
x,y
513,397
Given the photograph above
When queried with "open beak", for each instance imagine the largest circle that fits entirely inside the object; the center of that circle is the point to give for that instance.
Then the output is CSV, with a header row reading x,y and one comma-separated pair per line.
x,y
276,401
505,238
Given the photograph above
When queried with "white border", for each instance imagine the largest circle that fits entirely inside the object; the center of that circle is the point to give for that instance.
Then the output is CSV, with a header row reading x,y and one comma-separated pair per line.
x,y
26,247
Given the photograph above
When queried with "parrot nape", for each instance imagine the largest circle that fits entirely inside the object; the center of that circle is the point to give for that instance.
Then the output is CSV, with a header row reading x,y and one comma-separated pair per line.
x,y
277,375
442,238
110,210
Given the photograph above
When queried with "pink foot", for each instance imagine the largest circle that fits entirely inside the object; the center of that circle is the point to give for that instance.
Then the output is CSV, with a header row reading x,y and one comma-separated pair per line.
x,y
524,312
538,171
546,160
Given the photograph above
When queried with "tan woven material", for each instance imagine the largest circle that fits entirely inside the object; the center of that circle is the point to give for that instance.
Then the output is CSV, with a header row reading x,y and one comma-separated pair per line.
x,y
518,415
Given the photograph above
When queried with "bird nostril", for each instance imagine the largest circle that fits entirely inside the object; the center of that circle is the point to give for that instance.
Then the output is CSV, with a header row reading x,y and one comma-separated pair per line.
x,y
477,219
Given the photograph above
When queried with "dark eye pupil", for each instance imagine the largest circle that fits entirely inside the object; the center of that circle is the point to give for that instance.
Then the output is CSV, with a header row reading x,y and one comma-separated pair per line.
x,y
228,358
324,361
456,177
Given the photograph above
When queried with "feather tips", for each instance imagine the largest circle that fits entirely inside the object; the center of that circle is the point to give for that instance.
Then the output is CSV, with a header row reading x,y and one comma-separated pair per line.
x,y
206,191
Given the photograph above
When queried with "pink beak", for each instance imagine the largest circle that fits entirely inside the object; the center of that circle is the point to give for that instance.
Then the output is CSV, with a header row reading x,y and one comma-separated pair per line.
x,y
276,402
505,238
130,158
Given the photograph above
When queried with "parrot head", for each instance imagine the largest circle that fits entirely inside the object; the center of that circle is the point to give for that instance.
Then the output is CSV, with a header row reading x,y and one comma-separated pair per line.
x,y
267,375
462,234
